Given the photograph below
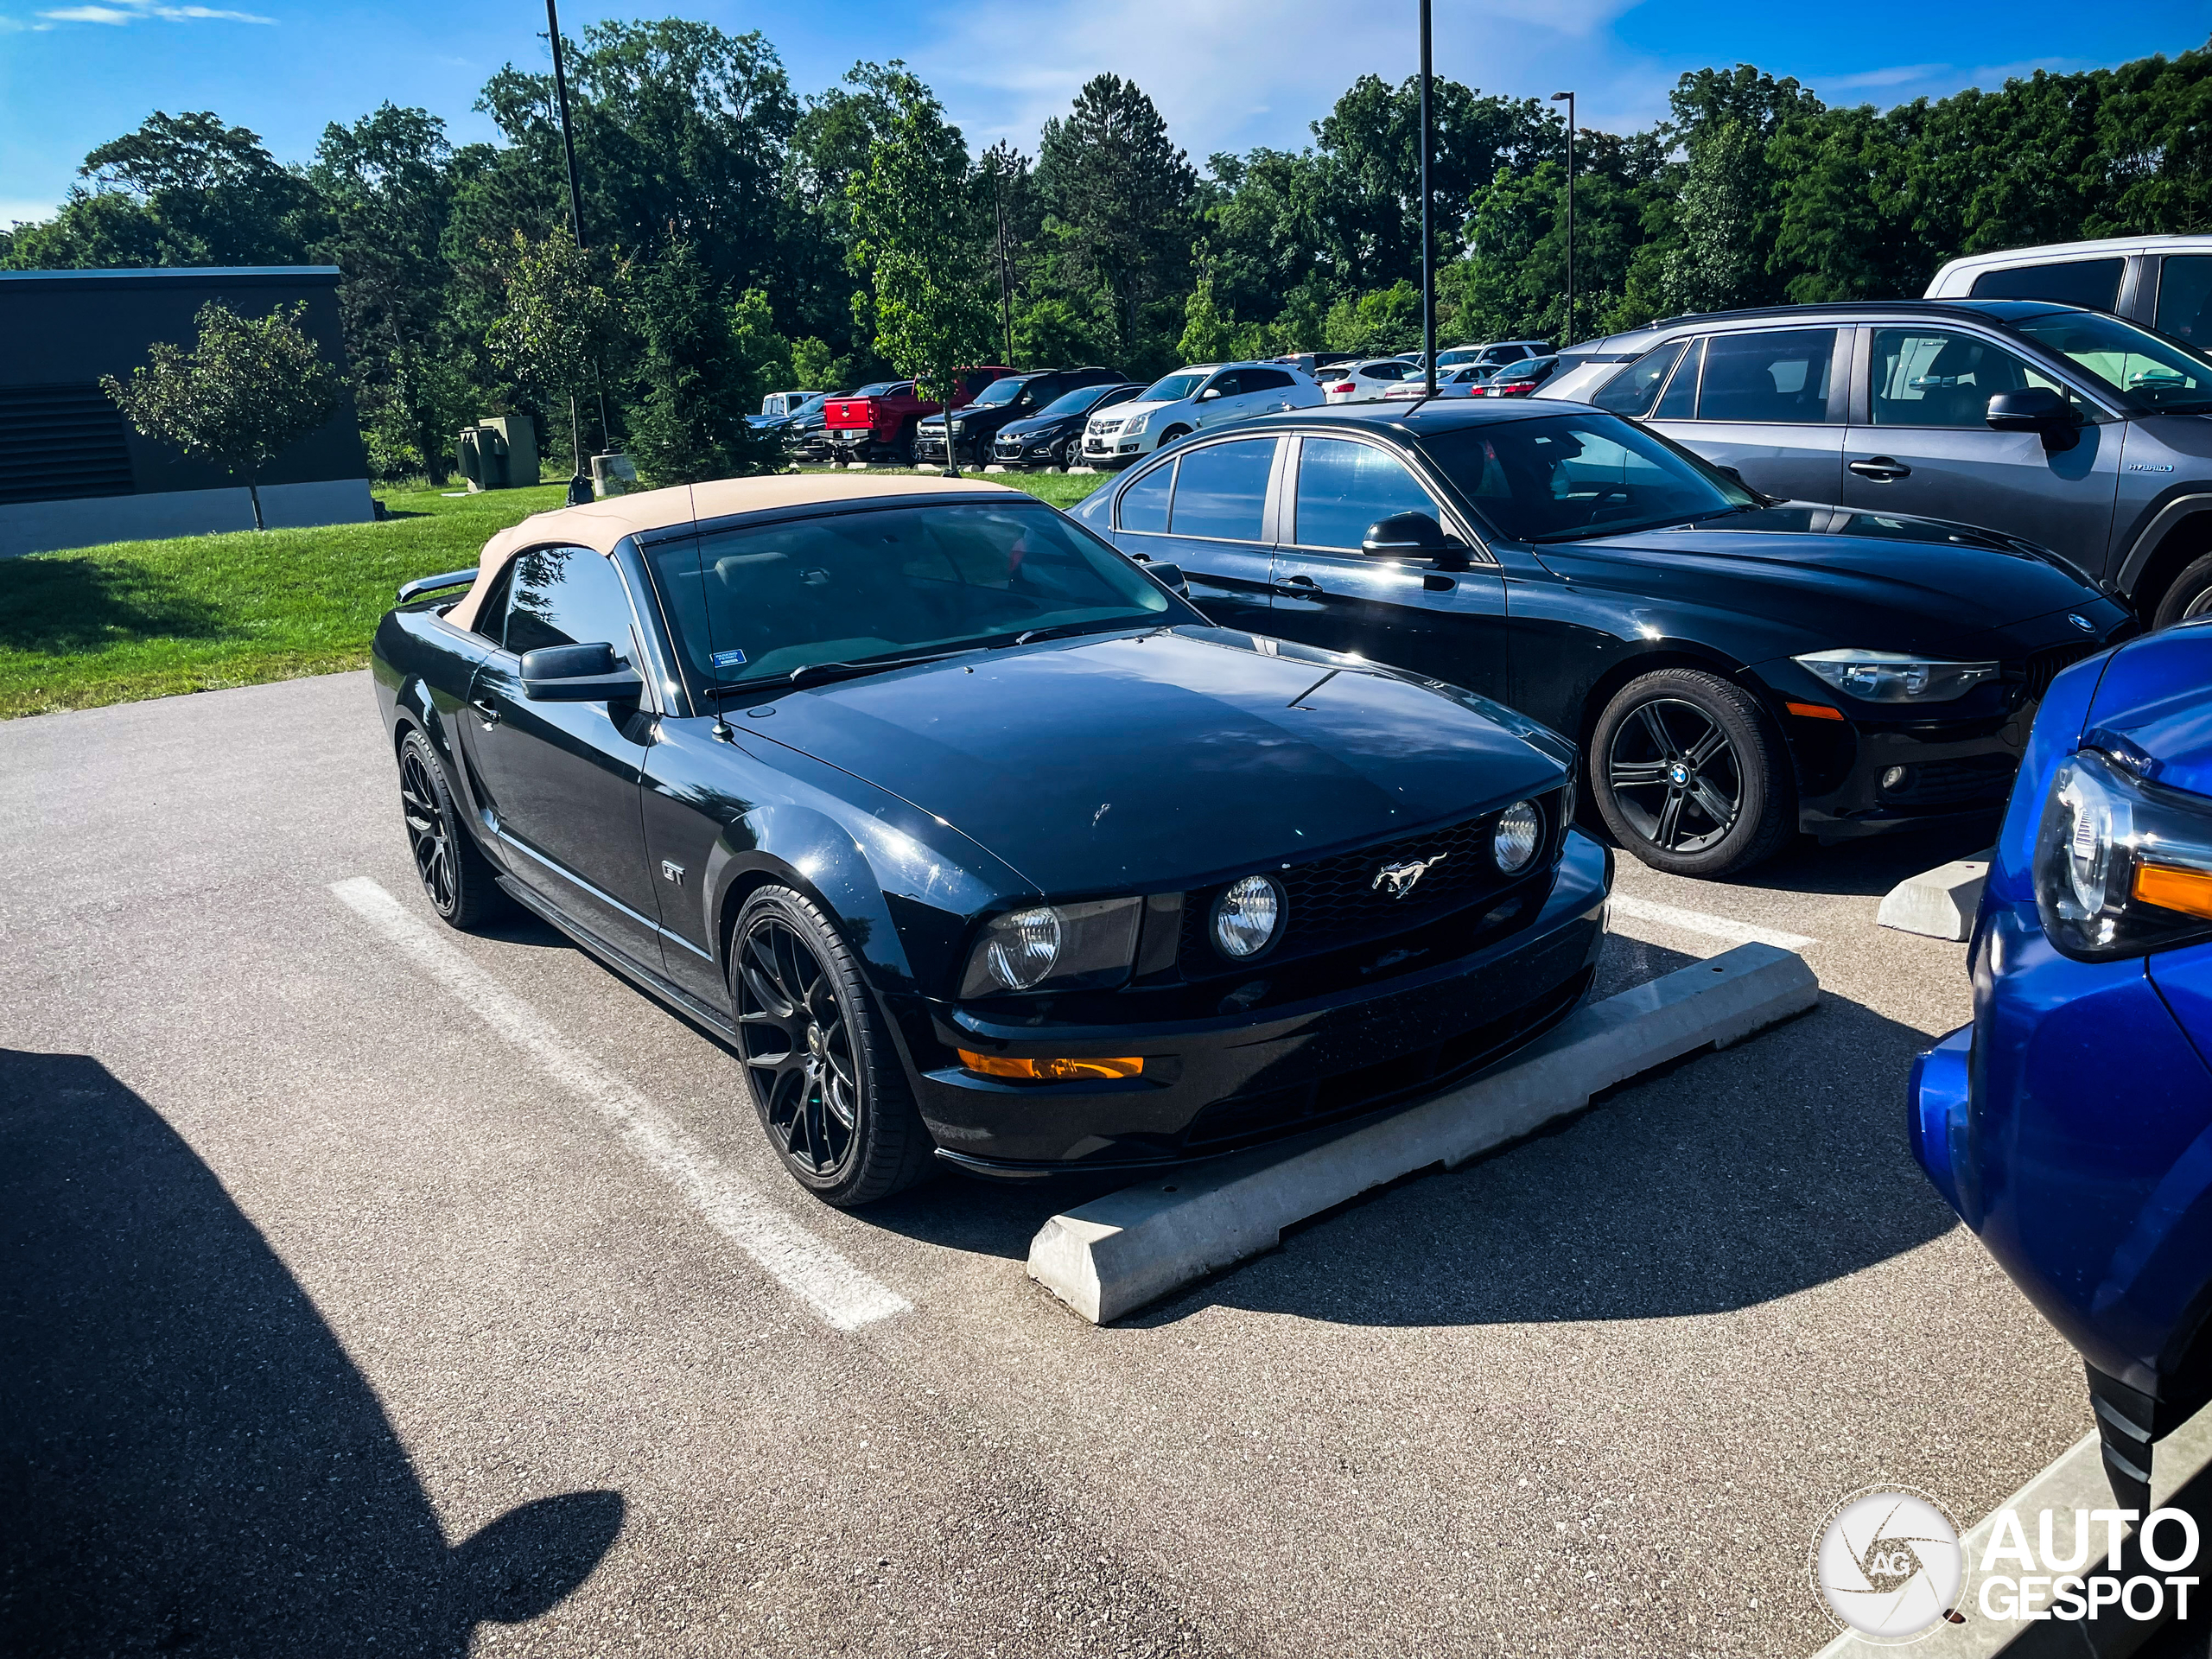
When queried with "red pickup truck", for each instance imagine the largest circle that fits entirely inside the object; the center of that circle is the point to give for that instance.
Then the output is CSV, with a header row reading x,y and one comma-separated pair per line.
x,y
878,421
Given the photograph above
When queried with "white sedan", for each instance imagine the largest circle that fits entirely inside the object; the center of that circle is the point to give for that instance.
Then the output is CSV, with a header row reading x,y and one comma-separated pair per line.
x,y
1359,383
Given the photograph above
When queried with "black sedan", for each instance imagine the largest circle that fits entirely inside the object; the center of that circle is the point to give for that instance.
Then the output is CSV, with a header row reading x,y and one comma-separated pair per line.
x,y
972,837
1053,435
1736,669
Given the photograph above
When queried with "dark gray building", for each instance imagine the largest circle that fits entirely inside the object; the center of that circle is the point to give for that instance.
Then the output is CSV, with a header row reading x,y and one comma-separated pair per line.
x,y
75,473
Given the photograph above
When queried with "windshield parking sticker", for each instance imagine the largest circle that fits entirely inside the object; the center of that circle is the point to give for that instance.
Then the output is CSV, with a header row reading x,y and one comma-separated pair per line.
x,y
728,658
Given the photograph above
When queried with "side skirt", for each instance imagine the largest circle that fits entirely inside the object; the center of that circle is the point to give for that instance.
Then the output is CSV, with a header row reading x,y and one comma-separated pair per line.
x,y
655,985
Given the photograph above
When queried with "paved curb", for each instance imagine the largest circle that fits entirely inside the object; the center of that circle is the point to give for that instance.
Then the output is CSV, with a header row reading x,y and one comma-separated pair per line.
x,y
1939,903
1113,1255
2075,1481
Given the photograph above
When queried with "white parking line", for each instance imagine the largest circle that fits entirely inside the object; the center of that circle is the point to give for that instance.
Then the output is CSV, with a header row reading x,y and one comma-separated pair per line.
x,y
1712,927
802,1263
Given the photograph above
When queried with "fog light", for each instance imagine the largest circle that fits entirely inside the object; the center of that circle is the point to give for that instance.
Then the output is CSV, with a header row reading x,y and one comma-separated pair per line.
x,y
1896,777
1245,917
1053,1071
1513,843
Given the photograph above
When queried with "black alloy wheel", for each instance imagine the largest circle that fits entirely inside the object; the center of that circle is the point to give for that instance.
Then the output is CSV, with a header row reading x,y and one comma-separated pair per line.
x,y
821,1069
2189,597
1688,775
457,879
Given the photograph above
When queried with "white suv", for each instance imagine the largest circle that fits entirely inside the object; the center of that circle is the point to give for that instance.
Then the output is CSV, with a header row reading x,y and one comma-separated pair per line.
x,y
1205,395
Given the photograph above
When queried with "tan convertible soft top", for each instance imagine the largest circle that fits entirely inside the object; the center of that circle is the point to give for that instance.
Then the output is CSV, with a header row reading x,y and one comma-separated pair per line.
x,y
600,524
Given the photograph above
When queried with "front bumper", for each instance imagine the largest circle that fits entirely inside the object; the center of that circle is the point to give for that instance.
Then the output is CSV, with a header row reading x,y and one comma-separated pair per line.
x,y
1215,1085
1954,773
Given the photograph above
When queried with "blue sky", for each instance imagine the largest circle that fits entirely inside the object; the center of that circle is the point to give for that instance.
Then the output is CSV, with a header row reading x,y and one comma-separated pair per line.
x,y
1227,74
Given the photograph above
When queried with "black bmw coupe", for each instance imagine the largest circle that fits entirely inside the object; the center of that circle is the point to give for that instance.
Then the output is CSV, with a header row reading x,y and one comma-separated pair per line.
x,y
972,837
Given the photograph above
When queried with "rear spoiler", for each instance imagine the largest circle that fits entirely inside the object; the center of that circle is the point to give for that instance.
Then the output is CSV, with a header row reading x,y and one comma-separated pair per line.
x,y
411,591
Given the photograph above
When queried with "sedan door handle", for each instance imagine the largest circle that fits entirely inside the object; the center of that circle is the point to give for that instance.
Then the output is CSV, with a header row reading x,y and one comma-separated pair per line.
x,y
1301,588
1881,468
486,710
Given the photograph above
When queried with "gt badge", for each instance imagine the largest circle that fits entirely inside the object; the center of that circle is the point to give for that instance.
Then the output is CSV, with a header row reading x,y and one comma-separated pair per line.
x,y
671,871
1400,878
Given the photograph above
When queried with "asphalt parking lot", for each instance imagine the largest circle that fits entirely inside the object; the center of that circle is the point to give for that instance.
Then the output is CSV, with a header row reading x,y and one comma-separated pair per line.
x,y
350,1316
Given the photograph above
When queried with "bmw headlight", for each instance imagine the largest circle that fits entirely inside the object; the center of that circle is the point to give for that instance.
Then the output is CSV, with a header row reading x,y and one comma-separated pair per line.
x,y
2123,867
1895,676
1054,948
1247,917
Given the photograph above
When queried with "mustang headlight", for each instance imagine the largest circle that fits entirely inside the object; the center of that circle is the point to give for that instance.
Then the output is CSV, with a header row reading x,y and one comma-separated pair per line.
x,y
1895,676
2123,867
1055,948
1514,842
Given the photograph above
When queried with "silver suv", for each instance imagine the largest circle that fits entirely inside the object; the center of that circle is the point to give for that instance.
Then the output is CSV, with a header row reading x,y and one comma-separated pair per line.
x,y
2073,429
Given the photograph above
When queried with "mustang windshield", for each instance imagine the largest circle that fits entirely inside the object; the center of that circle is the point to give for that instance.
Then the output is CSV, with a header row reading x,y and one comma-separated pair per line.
x,y
1561,478
753,604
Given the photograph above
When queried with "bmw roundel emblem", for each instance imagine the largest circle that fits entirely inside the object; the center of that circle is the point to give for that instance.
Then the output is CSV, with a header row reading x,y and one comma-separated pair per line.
x,y
2081,622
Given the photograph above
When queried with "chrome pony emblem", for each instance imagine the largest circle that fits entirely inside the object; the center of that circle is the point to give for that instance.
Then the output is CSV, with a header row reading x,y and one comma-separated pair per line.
x,y
1400,878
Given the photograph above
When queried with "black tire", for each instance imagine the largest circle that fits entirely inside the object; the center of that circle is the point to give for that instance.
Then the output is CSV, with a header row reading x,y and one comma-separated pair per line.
x,y
2189,596
903,451
457,879
1688,774
1171,434
1062,454
820,1065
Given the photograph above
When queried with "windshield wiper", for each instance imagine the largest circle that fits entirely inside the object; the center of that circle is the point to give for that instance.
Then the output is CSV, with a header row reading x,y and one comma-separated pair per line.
x,y
806,671
1054,630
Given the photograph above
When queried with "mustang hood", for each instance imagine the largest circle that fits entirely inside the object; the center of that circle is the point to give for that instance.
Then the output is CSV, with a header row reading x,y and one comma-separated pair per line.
x,y
1153,762
1882,580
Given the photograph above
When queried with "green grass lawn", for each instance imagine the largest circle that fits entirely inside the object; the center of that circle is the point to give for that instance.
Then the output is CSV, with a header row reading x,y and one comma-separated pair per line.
x,y
137,620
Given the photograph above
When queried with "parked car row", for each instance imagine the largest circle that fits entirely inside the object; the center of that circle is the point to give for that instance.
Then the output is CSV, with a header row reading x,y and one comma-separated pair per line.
x,y
1204,397
975,425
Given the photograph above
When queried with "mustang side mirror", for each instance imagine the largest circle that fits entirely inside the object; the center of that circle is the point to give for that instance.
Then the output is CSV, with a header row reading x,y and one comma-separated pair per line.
x,y
578,674
2035,409
1171,573
1412,536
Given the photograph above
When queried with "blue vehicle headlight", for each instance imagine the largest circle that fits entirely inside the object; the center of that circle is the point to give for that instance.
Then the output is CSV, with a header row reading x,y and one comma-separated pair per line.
x,y
2123,867
1054,948
1895,677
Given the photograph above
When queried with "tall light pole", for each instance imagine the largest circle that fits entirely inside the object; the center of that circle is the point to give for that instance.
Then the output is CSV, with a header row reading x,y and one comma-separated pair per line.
x,y
575,213
1569,98
1428,238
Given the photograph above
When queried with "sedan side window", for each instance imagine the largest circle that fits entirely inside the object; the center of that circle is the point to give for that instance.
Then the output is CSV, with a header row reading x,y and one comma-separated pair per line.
x,y
1772,376
1924,377
2091,282
1221,490
1228,382
492,614
568,596
1630,391
1144,504
1679,402
1345,486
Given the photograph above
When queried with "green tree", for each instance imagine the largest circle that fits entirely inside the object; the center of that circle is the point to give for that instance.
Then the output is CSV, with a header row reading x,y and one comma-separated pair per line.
x,y
386,190
913,233
697,378
1383,320
180,190
814,369
1122,198
1720,261
1211,335
559,322
248,390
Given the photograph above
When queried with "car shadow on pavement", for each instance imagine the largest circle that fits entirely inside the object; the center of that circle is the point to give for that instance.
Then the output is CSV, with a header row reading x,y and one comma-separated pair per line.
x,y
189,1459
1865,868
1725,1180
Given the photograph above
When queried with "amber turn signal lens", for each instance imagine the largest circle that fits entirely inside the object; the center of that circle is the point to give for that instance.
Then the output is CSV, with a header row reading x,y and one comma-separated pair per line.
x,y
1003,1066
1813,710
2171,887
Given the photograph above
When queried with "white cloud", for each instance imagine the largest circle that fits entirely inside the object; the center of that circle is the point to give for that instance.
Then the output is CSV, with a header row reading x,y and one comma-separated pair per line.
x,y
24,210
1902,74
132,11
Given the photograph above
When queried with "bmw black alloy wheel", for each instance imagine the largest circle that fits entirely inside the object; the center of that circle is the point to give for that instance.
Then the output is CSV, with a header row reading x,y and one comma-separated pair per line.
x,y
429,836
797,1042
1675,778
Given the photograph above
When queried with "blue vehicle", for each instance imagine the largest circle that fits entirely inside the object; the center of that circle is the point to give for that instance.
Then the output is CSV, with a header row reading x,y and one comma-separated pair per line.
x,y
2070,1126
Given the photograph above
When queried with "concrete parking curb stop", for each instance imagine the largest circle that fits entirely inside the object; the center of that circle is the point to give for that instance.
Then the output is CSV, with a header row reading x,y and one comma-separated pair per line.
x,y
1110,1257
2075,1481
1939,903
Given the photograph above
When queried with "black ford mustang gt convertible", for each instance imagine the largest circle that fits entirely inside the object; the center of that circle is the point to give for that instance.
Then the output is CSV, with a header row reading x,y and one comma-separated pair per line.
x,y
971,836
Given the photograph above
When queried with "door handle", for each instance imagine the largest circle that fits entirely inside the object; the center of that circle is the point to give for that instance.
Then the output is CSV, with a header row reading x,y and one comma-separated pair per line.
x,y
1881,468
486,710
1301,588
